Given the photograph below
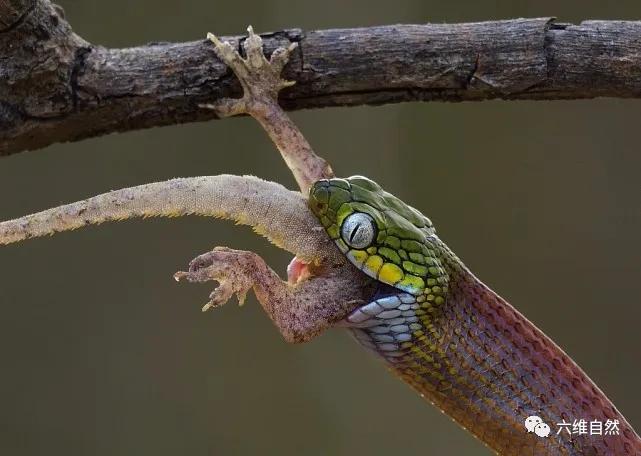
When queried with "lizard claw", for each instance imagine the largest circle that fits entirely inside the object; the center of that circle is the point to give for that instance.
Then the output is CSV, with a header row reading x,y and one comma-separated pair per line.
x,y
253,46
279,59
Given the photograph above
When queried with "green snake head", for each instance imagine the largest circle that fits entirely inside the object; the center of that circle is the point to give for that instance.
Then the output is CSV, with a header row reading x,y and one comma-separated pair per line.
x,y
384,237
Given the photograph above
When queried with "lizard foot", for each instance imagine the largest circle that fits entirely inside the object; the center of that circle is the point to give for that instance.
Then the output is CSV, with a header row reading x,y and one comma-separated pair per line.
x,y
259,77
232,269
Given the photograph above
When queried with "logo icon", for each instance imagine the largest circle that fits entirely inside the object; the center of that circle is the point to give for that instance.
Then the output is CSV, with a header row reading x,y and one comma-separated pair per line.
x,y
537,425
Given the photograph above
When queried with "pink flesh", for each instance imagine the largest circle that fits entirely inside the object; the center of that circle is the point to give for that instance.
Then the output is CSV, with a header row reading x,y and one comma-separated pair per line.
x,y
297,270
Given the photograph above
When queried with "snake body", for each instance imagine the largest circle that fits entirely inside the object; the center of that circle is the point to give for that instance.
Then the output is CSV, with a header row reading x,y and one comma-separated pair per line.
x,y
453,339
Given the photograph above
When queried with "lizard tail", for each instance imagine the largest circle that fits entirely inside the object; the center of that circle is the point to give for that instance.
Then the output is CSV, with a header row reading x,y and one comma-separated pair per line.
x,y
279,214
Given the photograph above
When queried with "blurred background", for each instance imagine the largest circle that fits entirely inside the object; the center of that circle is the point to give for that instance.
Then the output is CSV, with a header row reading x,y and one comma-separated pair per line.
x,y
103,353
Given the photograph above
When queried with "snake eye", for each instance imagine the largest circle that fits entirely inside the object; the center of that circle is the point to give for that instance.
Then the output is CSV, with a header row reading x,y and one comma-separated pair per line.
x,y
358,230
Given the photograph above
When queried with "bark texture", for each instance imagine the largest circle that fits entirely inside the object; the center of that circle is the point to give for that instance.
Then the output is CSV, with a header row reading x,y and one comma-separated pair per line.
x,y
56,87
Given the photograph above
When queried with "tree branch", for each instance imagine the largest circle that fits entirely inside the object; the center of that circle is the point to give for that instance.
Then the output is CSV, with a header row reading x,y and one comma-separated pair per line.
x,y
56,87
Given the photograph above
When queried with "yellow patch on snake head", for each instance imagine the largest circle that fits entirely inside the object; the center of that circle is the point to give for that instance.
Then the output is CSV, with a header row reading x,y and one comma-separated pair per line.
x,y
373,264
387,239
357,257
390,274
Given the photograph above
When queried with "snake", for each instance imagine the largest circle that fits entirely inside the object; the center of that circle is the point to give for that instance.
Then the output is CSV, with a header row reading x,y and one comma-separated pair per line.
x,y
455,341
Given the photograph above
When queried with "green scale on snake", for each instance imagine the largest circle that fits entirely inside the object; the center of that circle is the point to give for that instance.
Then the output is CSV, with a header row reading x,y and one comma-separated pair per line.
x,y
449,336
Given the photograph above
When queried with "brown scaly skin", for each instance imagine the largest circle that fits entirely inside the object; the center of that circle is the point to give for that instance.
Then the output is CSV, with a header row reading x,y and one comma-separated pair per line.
x,y
511,370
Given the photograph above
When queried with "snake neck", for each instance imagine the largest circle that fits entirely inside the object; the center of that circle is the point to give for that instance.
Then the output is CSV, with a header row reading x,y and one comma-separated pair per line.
x,y
489,368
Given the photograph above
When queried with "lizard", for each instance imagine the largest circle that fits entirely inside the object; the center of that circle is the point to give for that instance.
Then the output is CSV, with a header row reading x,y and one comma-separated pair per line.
x,y
368,262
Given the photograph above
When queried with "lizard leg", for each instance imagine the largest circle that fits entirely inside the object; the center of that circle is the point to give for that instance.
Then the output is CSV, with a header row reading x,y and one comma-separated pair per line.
x,y
261,82
300,311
